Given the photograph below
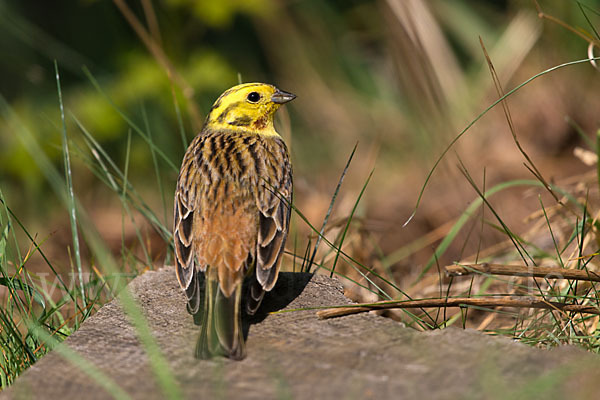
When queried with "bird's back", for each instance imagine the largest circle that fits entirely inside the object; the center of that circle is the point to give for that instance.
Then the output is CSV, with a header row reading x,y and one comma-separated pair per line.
x,y
227,179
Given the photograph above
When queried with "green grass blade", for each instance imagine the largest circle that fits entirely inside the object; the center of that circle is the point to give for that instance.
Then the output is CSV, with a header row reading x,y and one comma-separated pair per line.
x,y
362,191
494,104
333,198
129,121
158,364
156,167
184,141
464,217
131,194
69,187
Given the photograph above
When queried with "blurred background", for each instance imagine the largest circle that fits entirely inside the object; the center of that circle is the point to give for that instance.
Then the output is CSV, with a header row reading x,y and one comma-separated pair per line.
x,y
400,79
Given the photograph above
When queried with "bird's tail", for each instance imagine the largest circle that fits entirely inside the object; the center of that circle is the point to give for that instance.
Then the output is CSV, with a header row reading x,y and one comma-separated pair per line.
x,y
221,332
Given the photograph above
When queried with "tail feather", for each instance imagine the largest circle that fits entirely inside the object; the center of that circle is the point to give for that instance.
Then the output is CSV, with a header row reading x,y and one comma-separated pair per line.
x,y
221,333
254,297
194,294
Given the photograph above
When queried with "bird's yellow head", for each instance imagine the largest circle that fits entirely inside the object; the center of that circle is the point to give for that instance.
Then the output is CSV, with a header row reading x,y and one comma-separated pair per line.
x,y
248,107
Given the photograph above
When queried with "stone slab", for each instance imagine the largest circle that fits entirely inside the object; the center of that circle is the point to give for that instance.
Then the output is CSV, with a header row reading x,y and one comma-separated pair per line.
x,y
296,355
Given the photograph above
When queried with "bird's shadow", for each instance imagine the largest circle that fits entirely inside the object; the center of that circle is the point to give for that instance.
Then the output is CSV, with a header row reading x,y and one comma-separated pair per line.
x,y
289,286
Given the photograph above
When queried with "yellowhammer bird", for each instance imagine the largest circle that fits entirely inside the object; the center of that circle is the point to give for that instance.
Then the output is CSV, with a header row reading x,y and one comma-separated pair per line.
x,y
232,213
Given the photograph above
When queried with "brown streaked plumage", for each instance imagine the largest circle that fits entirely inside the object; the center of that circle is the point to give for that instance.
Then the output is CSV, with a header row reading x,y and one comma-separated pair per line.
x,y
232,213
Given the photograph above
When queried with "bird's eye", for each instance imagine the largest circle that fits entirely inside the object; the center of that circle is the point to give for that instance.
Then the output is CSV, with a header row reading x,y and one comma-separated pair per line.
x,y
253,97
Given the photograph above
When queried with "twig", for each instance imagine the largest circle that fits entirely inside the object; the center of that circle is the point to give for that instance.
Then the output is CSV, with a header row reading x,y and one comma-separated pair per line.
x,y
157,52
458,302
519,270
582,34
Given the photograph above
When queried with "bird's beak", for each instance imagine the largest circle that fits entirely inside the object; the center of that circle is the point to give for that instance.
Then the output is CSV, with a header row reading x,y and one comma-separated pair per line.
x,y
281,97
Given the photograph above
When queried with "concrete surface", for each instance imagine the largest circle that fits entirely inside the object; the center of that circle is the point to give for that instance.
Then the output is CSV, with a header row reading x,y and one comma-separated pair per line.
x,y
296,355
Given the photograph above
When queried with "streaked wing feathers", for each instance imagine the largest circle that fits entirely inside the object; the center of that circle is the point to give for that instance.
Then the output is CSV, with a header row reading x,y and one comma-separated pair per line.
x,y
273,228
182,236
184,249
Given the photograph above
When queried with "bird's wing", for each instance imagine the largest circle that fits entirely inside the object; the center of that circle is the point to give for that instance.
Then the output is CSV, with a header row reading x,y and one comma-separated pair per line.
x,y
185,207
274,218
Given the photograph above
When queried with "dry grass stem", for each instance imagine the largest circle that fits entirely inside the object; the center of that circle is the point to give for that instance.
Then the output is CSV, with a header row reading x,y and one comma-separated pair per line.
x,y
458,302
520,270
